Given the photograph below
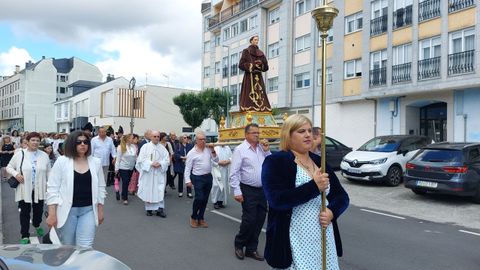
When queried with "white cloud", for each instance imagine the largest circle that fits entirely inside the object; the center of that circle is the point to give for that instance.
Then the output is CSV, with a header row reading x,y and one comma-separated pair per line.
x,y
14,56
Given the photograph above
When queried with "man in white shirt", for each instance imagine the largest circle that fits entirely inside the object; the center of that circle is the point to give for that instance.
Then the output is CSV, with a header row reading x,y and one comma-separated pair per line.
x,y
198,172
102,148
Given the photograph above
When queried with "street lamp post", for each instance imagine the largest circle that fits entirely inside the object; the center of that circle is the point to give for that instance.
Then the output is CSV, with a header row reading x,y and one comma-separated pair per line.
x,y
228,82
324,16
131,86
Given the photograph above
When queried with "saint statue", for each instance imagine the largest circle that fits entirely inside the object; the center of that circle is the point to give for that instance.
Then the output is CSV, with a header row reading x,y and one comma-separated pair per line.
x,y
252,95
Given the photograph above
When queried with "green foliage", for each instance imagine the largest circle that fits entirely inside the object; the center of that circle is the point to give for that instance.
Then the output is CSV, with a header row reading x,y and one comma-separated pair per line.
x,y
195,107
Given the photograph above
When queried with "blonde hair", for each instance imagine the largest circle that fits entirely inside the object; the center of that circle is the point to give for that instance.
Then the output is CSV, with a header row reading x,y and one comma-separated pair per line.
x,y
123,142
292,123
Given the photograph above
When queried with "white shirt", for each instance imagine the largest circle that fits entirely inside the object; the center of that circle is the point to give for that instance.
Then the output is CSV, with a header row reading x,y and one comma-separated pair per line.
x,y
102,149
198,162
127,160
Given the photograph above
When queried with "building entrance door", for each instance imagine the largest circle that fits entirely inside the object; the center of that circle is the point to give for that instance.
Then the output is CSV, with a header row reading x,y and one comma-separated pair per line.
x,y
433,121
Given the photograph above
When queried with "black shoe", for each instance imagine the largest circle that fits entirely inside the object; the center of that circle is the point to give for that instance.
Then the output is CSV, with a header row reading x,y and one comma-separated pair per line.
x,y
216,206
161,213
220,204
239,253
117,195
149,213
254,255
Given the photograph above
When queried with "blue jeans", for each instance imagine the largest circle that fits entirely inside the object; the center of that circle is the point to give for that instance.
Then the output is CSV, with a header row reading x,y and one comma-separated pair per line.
x,y
202,185
79,229
125,175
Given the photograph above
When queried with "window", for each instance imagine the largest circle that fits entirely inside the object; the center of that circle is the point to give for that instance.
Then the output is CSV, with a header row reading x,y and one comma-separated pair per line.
x,y
329,37
243,26
62,90
302,43
302,7
235,30
233,95
217,40
273,84
379,8
462,41
402,54
302,80
429,48
234,61
252,22
225,67
217,67
136,103
353,23
378,59
59,111
273,50
353,69
226,33
329,76
274,16
206,72
206,46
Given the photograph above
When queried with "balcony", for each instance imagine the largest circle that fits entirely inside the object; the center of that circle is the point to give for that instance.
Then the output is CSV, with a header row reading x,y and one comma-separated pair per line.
x,y
234,70
378,25
378,76
231,11
225,72
428,9
401,73
429,68
402,17
454,5
462,62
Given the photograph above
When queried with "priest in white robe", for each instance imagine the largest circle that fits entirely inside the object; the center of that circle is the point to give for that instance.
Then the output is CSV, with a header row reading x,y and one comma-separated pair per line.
x,y
220,173
152,163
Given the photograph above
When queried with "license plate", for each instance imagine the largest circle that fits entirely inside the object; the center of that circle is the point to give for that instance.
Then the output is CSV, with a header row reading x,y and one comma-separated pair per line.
x,y
357,171
427,184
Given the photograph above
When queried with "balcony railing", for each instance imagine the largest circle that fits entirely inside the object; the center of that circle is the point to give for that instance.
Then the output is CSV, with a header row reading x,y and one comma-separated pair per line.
x,y
378,25
378,76
224,72
402,17
454,5
401,73
428,9
234,70
462,62
429,68
231,11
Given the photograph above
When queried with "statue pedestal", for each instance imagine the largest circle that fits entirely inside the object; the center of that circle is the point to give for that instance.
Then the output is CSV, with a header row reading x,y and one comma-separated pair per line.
x,y
239,120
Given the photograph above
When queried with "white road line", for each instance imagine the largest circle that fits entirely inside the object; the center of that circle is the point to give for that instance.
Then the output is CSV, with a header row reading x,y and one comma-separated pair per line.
x,y
230,217
383,214
477,234
34,240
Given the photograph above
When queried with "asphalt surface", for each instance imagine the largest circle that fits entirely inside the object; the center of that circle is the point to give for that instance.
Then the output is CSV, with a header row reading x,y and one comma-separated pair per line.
x,y
372,238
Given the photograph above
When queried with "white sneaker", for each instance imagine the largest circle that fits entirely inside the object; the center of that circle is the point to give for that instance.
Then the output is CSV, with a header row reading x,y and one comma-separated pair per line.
x,y
180,194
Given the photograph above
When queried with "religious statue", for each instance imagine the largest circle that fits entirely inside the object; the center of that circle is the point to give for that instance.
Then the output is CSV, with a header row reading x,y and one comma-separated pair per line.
x,y
253,96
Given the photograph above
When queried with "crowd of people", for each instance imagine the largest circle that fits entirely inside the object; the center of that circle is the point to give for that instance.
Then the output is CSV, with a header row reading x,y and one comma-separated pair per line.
x,y
69,173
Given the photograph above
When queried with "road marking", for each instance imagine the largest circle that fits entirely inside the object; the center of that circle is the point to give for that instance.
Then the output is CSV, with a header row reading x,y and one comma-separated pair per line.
x,y
230,217
383,214
477,234
34,240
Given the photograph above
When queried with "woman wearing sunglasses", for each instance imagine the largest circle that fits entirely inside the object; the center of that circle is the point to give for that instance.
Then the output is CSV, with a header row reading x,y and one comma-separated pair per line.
x,y
76,192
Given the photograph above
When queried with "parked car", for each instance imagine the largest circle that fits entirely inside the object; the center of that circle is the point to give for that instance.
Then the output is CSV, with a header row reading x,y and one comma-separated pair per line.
x,y
382,158
448,168
335,151
43,256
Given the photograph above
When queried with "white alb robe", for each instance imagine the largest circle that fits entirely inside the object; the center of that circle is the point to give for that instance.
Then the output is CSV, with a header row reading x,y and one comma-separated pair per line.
x,y
220,175
151,182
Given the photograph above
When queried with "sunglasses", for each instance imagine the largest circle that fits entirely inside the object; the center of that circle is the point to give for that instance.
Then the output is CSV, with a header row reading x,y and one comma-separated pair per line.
x,y
86,142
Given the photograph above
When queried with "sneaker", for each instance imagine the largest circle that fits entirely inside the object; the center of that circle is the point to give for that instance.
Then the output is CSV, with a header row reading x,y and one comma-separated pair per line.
x,y
180,194
25,241
40,231
189,195
125,202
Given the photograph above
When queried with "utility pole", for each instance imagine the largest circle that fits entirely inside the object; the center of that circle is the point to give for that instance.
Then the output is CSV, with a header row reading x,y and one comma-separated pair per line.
x,y
131,87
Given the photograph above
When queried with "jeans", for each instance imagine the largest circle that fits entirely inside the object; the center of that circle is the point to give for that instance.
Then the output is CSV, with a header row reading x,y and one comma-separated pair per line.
x,y
125,175
79,229
25,209
181,183
202,185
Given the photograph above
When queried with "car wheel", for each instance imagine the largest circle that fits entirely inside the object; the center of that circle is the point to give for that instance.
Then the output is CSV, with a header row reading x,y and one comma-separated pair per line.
x,y
419,191
394,176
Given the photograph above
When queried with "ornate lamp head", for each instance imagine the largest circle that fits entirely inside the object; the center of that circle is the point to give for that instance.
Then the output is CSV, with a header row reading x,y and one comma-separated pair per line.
x,y
222,122
324,17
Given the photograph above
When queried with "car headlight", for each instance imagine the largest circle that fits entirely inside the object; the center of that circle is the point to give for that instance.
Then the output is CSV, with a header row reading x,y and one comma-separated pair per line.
x,y
378,161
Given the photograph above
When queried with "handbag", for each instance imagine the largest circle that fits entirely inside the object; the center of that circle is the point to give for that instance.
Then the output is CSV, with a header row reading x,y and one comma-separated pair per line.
x,y
12,181
117,183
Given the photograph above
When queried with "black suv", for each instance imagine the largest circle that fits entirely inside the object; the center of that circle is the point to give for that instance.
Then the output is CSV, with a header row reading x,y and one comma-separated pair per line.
x,y
449,168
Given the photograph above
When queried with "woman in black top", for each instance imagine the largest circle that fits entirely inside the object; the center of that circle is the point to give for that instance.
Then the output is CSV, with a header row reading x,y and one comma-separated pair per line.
x,y
6,154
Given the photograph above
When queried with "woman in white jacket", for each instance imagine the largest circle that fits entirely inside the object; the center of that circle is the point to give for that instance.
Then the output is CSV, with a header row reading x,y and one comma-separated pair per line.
x,y
76,192
32,177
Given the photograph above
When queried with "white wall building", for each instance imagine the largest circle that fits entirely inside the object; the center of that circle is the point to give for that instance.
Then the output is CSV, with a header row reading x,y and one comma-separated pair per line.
x,y
27,96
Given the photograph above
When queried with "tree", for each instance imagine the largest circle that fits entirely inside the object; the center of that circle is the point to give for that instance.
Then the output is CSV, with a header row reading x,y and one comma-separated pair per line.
x,y
191,108
215,101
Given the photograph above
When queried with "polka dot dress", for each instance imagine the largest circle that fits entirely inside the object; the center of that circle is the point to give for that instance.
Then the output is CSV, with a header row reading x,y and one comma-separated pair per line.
x,y
306,233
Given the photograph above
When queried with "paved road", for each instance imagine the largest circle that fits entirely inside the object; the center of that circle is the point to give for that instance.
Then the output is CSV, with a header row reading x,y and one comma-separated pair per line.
x,y
373,238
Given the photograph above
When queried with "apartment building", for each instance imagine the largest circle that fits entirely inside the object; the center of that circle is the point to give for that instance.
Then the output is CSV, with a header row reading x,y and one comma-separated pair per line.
x,y
27,96
393,66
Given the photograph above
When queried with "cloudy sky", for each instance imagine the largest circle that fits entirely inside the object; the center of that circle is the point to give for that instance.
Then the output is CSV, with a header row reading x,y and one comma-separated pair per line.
x,y
155,39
